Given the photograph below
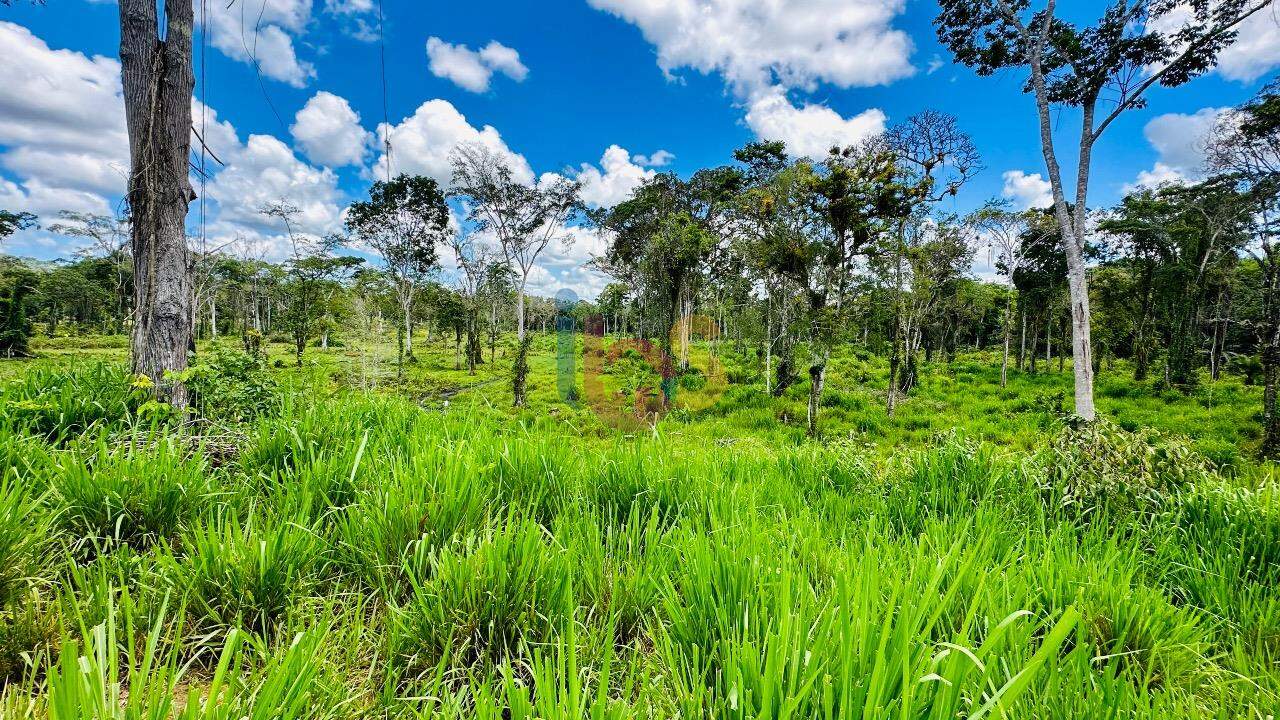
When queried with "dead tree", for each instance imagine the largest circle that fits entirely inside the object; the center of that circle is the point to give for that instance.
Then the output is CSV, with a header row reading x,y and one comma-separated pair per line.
x,y
158,82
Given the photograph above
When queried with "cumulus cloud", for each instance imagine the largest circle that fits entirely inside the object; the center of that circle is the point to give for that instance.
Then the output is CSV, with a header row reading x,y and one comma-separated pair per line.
x,y
757,43
264,170
262,33
564,265
1255,51
62,133
329,131
1027,190
473,69
348,7
421,143
660,158
615,178
1179,141
809,130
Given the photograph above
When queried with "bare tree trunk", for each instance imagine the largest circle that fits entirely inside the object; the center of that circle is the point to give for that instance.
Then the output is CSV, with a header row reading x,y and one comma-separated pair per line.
x,y
1048,341
1022,347
1008,333
408,328
1070,222
768,347
158,82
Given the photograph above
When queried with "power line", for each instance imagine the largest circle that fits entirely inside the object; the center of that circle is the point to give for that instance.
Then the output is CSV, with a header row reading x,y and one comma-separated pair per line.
x,y
386,121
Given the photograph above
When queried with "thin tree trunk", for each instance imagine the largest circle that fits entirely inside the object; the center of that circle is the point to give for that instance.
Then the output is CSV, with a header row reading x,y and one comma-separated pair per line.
x,y
1071,224
157,81
1008,333
408,329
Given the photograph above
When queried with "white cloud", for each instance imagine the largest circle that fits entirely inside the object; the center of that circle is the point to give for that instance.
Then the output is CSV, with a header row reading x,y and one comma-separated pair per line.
x,y
809,130
62,130
660,158
1027,190
504,60
935,64
757,43
471,69
1179,141
260,171
421,143
261,32
565,265
34,196
1255,51
264,170
348,7
329,131
613,181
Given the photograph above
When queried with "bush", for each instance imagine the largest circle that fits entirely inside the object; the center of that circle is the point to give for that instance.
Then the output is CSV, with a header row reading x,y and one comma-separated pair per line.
x,y
1095,466
230,385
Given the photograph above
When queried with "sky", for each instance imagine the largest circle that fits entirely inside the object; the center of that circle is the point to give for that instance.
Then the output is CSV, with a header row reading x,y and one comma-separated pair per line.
x,y
290,99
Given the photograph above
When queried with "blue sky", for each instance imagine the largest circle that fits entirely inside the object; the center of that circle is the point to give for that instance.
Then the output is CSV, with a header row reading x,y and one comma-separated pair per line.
x,y
672,85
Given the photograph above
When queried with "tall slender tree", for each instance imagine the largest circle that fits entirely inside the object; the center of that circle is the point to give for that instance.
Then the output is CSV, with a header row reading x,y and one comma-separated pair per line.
x,y
1135,45
403,220
524,218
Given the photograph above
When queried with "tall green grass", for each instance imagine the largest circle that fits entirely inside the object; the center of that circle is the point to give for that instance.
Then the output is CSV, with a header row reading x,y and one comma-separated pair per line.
x,y
361,556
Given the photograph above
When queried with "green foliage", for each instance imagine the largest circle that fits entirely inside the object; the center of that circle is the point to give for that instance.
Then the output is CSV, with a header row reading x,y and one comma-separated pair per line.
x,y
1094,467
60,403
359,555
137,493
243,575
230,385
23,536
478,600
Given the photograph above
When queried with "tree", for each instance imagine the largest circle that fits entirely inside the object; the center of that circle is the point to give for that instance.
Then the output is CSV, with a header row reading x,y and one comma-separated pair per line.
x,y
934,159
158,82
496,286
310,272
808,223
475,263
402,221
108,237
11,222
16,284
1134,45
1003,231
524,219
1193,231
1246,144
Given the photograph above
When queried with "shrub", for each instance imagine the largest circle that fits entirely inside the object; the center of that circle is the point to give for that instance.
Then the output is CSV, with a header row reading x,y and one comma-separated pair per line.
x,y
1095,466
230,385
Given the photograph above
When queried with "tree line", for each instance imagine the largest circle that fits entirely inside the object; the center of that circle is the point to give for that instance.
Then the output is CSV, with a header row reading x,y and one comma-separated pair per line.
x,y
853,240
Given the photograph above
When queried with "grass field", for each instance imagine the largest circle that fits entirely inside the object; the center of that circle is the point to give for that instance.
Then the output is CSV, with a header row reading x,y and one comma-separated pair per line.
x,y
365,545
